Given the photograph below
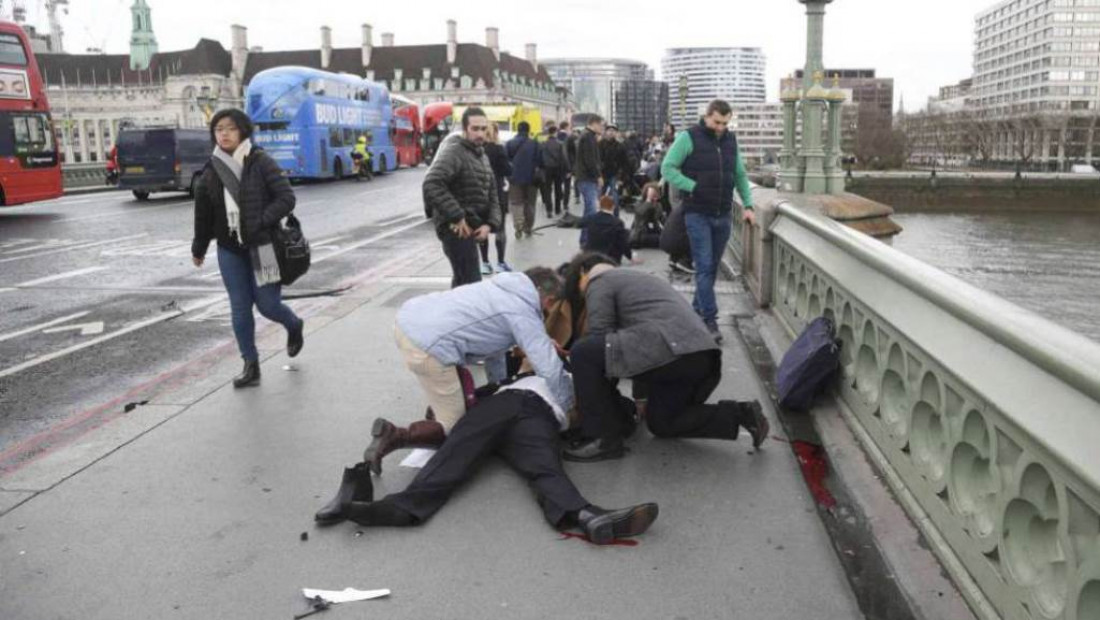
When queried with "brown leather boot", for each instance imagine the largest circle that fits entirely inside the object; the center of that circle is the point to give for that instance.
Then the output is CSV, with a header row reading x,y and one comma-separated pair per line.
x,y
426,434
389,437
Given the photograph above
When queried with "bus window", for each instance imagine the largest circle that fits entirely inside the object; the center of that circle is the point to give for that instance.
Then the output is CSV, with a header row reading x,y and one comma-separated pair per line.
x,y
317,87
349,137
11,51
334,137
31,133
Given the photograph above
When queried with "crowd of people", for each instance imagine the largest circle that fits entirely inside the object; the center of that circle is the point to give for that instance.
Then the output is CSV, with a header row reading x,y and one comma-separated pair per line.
x,y
555,342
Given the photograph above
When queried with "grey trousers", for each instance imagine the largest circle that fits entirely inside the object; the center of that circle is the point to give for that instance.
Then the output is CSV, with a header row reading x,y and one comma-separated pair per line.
x,y
521,203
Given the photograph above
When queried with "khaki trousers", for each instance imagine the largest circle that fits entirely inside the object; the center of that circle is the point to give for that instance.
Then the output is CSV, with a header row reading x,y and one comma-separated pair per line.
x,y
440,383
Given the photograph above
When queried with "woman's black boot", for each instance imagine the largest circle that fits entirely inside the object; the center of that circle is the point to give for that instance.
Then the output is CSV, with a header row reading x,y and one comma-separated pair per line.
x,y
355,487
249,376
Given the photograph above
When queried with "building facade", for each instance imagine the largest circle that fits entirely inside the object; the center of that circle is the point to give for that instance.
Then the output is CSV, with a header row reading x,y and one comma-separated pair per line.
x,y
94,96
698,75
759,131
1036,83
463,73
622,91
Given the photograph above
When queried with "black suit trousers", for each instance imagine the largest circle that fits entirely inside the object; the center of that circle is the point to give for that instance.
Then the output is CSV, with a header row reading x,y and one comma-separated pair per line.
x,y
516,425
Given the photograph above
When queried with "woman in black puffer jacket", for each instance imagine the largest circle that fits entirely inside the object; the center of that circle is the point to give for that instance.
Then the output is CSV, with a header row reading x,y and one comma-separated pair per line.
x,y
241,197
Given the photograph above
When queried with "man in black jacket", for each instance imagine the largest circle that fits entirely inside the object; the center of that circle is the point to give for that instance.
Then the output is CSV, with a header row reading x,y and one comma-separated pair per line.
x,y
570,142
606,232
612,158
526,160
587,169
554,162
461,193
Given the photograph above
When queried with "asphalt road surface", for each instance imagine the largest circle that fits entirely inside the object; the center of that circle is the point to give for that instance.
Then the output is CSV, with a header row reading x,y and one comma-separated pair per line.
x,y
98,294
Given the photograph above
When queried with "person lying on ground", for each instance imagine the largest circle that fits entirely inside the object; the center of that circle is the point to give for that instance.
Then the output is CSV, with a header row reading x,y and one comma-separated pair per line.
x,y
520,423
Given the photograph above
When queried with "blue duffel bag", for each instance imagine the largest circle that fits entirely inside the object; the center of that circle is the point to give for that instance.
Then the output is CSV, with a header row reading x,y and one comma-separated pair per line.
x,y
808,365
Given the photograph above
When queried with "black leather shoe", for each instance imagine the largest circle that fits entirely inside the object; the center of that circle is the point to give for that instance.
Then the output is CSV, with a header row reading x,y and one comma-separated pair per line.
x,y
604,526
755,422
592,450
295,339
249,376
356,486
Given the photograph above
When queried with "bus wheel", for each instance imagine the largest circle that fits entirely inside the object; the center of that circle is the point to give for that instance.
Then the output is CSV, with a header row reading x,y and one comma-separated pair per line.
x,y
337,169
141,194
382,169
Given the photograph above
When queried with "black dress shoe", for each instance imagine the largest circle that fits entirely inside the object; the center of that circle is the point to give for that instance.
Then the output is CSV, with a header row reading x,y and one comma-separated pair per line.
x,y
592,450
755,422
249,376
295,339
356,486
604,526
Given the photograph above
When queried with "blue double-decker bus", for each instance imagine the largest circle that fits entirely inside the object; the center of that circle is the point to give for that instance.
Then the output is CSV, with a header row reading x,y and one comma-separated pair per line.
x,y
310,120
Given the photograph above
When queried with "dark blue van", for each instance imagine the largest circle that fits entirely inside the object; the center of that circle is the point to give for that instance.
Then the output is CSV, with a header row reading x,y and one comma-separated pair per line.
x,y
162,160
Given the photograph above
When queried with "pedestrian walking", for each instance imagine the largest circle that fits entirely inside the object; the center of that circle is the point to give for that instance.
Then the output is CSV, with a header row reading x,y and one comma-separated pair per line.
x,y
554,163
613,161
460,193
705,165
565,138
502,169
526,160
241,198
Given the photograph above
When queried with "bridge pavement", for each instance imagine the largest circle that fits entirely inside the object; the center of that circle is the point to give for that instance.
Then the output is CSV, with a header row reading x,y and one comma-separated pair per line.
x,y
199,503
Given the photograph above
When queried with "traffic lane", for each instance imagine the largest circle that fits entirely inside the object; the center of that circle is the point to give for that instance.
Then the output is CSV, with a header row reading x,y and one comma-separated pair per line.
x,y
326,211
74,367
130,287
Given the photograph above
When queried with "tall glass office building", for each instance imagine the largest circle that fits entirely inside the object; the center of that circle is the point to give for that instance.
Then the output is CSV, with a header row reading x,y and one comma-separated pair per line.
x,y
622,91
735,74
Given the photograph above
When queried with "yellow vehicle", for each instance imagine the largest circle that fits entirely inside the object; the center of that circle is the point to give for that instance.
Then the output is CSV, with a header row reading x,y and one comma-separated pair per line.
x,y
506,117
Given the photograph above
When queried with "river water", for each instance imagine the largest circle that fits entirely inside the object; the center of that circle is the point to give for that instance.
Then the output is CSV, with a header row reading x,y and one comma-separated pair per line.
x,y
1047,263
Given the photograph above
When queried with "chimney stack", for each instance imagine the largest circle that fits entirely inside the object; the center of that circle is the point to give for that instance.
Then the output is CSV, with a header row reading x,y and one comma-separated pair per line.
x,y
387,39
532,57
240,49
452,41
492,41
368,44
326,46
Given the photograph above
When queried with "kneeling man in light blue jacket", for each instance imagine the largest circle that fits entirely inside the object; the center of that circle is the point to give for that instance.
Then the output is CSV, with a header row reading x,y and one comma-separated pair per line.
x,y
441,331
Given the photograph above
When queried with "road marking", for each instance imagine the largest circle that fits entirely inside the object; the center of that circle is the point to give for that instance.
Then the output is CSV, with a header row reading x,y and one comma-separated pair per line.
x,y
30,330
433,280
86,329
160,318
132,211
46,244
60,276
316,244
14,242
368,241
397,218
73,248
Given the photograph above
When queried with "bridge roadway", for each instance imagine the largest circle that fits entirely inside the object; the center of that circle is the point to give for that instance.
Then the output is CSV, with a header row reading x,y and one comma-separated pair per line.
x,y
199,503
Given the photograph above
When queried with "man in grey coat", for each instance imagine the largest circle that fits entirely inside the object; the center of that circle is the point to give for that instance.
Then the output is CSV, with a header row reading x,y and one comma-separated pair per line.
x,y
640,328
460,194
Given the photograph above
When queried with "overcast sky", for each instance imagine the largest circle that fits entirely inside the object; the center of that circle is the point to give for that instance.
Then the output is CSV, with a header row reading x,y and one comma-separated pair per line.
x,y
922,45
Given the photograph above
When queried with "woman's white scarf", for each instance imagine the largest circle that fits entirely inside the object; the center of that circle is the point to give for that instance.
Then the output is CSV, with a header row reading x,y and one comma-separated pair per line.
x,y
264,262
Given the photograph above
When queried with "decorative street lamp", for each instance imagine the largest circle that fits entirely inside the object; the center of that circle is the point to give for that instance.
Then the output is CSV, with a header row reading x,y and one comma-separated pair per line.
x,y
683,99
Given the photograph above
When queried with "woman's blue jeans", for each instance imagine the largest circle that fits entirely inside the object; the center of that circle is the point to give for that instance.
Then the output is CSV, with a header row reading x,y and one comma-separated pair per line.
x,y
240,282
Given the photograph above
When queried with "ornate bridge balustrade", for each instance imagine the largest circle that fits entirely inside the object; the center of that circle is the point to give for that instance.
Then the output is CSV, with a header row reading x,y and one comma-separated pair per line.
x,y
984,417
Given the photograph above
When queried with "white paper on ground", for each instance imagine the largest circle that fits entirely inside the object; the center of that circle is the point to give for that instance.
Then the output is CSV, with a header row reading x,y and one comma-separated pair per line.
x,y
418,458
346,595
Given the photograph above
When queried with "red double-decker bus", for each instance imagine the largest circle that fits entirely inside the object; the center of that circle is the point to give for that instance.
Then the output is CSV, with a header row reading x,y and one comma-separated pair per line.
x,y
30,167
406,134
438,123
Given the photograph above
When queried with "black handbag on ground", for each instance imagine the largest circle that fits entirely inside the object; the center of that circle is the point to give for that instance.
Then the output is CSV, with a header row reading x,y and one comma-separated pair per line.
x,y
291,250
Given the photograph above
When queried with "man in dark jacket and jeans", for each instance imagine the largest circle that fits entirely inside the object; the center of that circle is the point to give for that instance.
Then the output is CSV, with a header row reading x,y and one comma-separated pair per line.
x,y
587,169
554,162
461,193
522,190
705,165
640,328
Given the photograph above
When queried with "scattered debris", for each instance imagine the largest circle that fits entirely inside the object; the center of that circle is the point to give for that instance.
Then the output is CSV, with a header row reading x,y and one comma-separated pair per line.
x,y
290,368
618,542
304,537
347,595
170,306
131,406
318,605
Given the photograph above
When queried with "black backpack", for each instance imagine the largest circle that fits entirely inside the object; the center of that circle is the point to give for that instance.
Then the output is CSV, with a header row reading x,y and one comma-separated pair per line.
x,y
808,365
